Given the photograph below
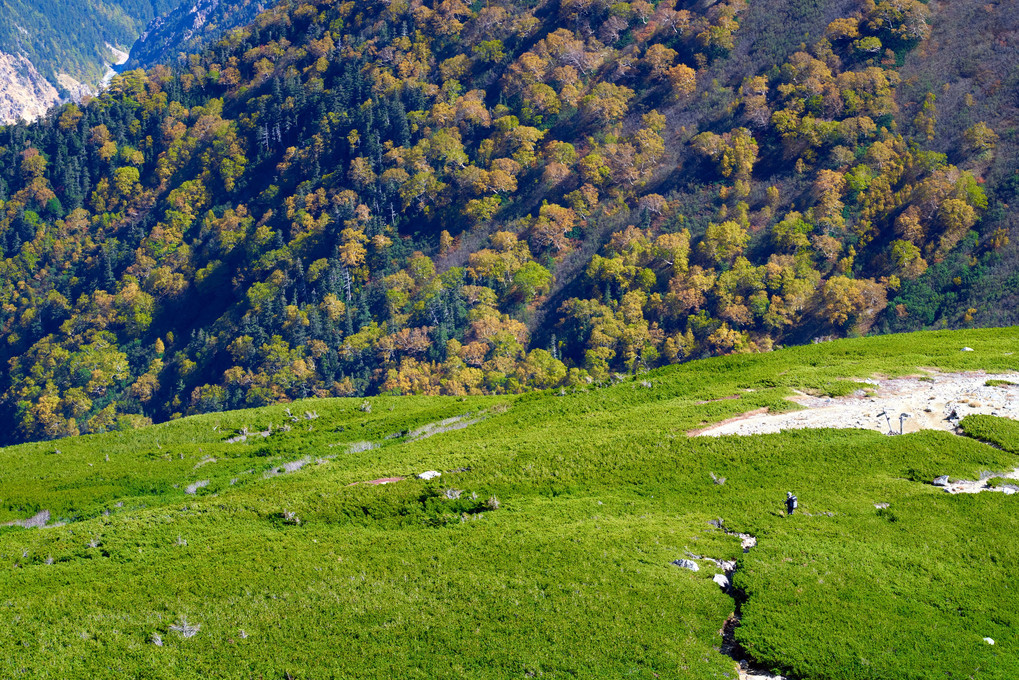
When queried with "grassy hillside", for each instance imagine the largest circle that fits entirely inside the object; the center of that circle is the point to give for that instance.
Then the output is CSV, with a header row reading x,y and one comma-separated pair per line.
x,y
553,560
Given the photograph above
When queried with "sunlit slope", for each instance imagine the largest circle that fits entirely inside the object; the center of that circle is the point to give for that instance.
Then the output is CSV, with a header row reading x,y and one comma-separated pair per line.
x,y
553,560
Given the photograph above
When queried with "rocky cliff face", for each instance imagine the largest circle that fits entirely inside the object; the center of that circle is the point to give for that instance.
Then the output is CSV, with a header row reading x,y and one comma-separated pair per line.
x,y
58,51
24,92
68,53
189,27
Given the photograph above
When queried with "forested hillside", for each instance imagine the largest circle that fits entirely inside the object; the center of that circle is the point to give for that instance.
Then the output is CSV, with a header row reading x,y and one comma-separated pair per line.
x,y
189,28
405,197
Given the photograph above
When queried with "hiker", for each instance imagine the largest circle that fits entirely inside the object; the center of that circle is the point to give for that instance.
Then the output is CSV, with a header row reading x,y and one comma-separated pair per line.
x,y
790,502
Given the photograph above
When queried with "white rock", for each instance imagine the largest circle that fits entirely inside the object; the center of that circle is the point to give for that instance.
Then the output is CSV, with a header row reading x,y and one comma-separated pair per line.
x,y
966,349
989,641
430,474
687,564
941,481
722,580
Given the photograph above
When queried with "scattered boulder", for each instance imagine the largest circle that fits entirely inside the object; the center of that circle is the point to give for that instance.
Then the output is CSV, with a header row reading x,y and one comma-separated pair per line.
x,y
941,481
989,641
966,349
722,580
430,474
192,489
38,520
687,564
880,506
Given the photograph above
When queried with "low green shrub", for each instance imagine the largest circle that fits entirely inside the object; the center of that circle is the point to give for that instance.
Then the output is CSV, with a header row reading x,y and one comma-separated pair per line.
x,y
291,564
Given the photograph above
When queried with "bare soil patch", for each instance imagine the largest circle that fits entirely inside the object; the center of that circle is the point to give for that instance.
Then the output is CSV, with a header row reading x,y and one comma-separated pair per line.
x,y
937,401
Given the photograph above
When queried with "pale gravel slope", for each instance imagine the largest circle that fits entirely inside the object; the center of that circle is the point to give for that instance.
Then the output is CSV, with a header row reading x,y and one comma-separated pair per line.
x,y
935,401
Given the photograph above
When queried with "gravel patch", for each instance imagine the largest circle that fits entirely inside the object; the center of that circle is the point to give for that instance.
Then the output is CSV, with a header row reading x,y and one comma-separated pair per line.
x,y
937,401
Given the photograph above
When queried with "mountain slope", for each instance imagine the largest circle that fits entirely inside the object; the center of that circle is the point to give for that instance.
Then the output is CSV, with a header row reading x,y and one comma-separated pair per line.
x,y
56,50
974,78
355,199
188,28
544,549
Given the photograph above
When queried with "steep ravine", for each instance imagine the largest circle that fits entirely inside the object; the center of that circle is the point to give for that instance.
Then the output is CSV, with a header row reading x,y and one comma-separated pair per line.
x,y
24,92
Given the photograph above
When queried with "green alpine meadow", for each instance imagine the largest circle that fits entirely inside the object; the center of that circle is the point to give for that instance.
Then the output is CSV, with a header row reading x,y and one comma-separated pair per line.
x,y
314,539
